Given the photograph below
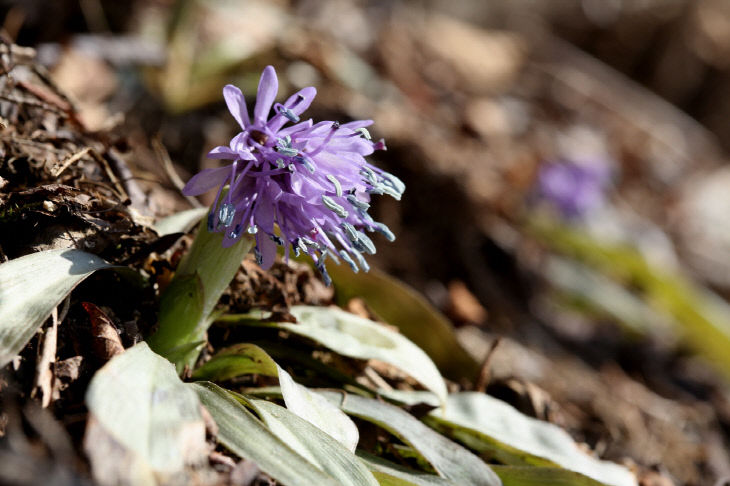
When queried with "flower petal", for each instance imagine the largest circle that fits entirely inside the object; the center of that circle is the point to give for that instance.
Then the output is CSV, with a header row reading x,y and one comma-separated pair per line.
x,y
268,251
206,180
268,87
236,104
222,152
354,125
297,104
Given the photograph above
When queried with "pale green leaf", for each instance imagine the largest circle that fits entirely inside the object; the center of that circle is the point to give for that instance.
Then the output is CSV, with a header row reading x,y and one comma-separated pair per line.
x,y
318,411
388,473
138,399
318,447
246,436
490,425
181,222
541,476
237,360
31,287
403,307
449,459
356,337
241,359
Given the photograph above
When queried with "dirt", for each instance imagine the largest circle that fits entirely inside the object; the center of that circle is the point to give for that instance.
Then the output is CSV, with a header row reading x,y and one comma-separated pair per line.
x,y
473,114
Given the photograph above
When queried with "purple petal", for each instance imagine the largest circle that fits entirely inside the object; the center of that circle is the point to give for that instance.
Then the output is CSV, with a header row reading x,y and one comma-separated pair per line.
x,y
222,152
297,103
268,86
354,125
299,127
268,251
236,105
206,180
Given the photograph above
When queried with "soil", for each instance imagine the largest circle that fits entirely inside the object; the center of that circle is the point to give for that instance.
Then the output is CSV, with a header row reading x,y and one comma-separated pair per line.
x,y
469,112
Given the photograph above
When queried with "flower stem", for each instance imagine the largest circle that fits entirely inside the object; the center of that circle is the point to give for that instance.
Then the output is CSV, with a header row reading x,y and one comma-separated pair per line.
x,y
187,303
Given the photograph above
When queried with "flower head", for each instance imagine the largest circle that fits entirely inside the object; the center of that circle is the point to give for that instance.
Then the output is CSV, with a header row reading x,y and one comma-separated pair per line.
x,y
575,188
311,180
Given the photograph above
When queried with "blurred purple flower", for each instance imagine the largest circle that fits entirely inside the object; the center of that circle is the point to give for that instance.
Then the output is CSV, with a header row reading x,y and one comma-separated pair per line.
x,y
311,180
574,188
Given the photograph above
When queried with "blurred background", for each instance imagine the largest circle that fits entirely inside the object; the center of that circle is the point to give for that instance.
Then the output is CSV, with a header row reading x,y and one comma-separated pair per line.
x,y
566,164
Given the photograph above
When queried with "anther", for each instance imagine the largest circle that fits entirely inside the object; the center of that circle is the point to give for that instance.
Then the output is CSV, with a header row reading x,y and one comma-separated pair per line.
x,y
226,213
334,207
336,183
362,205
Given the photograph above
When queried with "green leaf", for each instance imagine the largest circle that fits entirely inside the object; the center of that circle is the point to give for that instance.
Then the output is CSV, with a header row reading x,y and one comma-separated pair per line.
x,y
237,360
356,337
204,273
700,315
318,411
246,436
388,473
493,426
449,459
401,306
31,287
541,476
139,401
181,222
309,441
243,359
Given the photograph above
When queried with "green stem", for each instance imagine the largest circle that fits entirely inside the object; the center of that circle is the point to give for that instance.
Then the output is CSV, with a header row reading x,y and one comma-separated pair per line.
x,y
188,302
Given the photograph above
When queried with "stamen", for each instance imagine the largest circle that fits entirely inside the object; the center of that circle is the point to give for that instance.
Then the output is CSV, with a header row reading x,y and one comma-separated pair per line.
x,y
257,254
364,132
289,152
280,163
336,183
370,174
394,182
360,260
305,162
283,146
350,231
380,145
211,222
276,239
334,127
286,113
252,230
226,213
334,207
385,231
323,271
365,243
348,259
236,232
362,205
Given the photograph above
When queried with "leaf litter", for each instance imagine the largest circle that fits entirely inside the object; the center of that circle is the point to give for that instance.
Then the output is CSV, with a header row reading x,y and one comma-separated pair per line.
x,y
64,186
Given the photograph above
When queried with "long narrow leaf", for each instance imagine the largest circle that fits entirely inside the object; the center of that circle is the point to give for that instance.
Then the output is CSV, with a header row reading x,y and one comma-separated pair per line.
x,y
246,436
31,287
245,358
139,401
319,448
491,425
449,459
356,337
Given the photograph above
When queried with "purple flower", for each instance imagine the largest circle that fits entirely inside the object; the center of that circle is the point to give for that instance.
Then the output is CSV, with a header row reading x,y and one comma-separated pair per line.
x,y
574,188
310,180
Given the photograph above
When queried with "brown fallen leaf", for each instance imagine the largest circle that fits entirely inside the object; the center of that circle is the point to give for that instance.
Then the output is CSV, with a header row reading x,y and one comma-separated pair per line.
x,y
107,343
46,357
